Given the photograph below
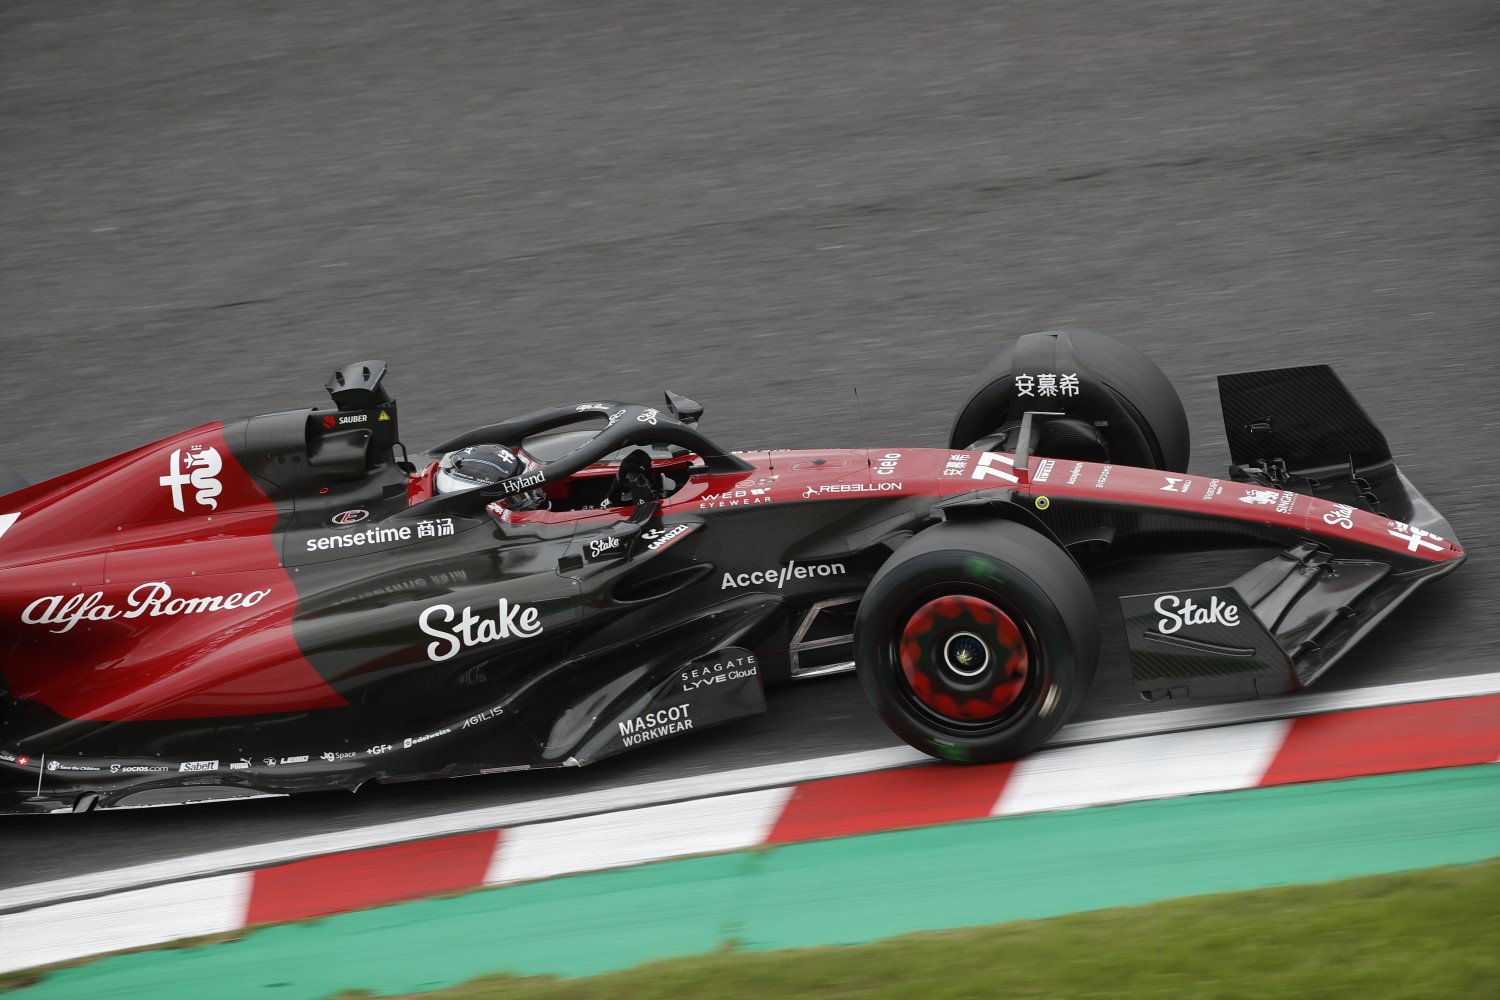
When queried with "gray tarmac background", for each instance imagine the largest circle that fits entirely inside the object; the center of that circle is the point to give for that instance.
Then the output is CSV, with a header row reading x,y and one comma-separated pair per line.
x,y
206,207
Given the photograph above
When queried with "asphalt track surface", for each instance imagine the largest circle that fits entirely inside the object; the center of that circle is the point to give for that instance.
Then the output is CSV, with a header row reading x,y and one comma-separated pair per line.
x,y
764,206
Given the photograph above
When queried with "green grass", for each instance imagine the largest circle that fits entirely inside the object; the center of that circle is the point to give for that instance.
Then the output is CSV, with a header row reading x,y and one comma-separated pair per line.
x,y
1425,934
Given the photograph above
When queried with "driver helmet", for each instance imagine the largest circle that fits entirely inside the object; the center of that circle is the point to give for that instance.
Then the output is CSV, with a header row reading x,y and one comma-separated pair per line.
x,y
484,465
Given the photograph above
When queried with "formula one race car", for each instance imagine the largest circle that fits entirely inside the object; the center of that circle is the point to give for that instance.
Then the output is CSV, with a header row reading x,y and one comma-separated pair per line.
x,y
287,603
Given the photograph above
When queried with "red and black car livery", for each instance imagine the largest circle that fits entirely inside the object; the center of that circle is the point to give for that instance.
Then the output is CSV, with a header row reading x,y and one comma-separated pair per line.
x,y
283,603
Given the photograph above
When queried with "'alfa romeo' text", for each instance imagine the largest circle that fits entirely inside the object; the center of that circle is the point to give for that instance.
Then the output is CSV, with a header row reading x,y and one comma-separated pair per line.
x,y
149,599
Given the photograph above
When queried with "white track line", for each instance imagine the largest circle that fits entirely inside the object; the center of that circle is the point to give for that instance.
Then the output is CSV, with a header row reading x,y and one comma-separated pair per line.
x,y
134,919
614,840
718,783
1159,766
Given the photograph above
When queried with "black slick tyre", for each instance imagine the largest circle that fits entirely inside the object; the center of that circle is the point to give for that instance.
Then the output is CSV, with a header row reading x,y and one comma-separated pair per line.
x,y
1141,388
977,641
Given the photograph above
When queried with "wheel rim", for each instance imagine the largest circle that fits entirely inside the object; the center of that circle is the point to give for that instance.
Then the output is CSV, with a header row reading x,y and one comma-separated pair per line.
x,y
964,658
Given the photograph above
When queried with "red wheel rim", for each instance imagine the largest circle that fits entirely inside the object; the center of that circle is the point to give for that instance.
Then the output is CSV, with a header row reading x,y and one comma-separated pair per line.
x,y
964,658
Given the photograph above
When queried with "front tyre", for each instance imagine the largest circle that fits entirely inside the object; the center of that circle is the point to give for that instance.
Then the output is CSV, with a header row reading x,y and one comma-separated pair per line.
x,y
1157,436
976,642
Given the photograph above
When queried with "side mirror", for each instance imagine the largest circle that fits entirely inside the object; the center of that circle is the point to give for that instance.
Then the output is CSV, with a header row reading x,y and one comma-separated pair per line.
x,y
685,410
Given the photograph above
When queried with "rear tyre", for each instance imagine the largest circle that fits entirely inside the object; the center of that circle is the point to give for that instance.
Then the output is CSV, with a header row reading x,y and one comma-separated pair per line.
x,y
976,642
10,480
1141,388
